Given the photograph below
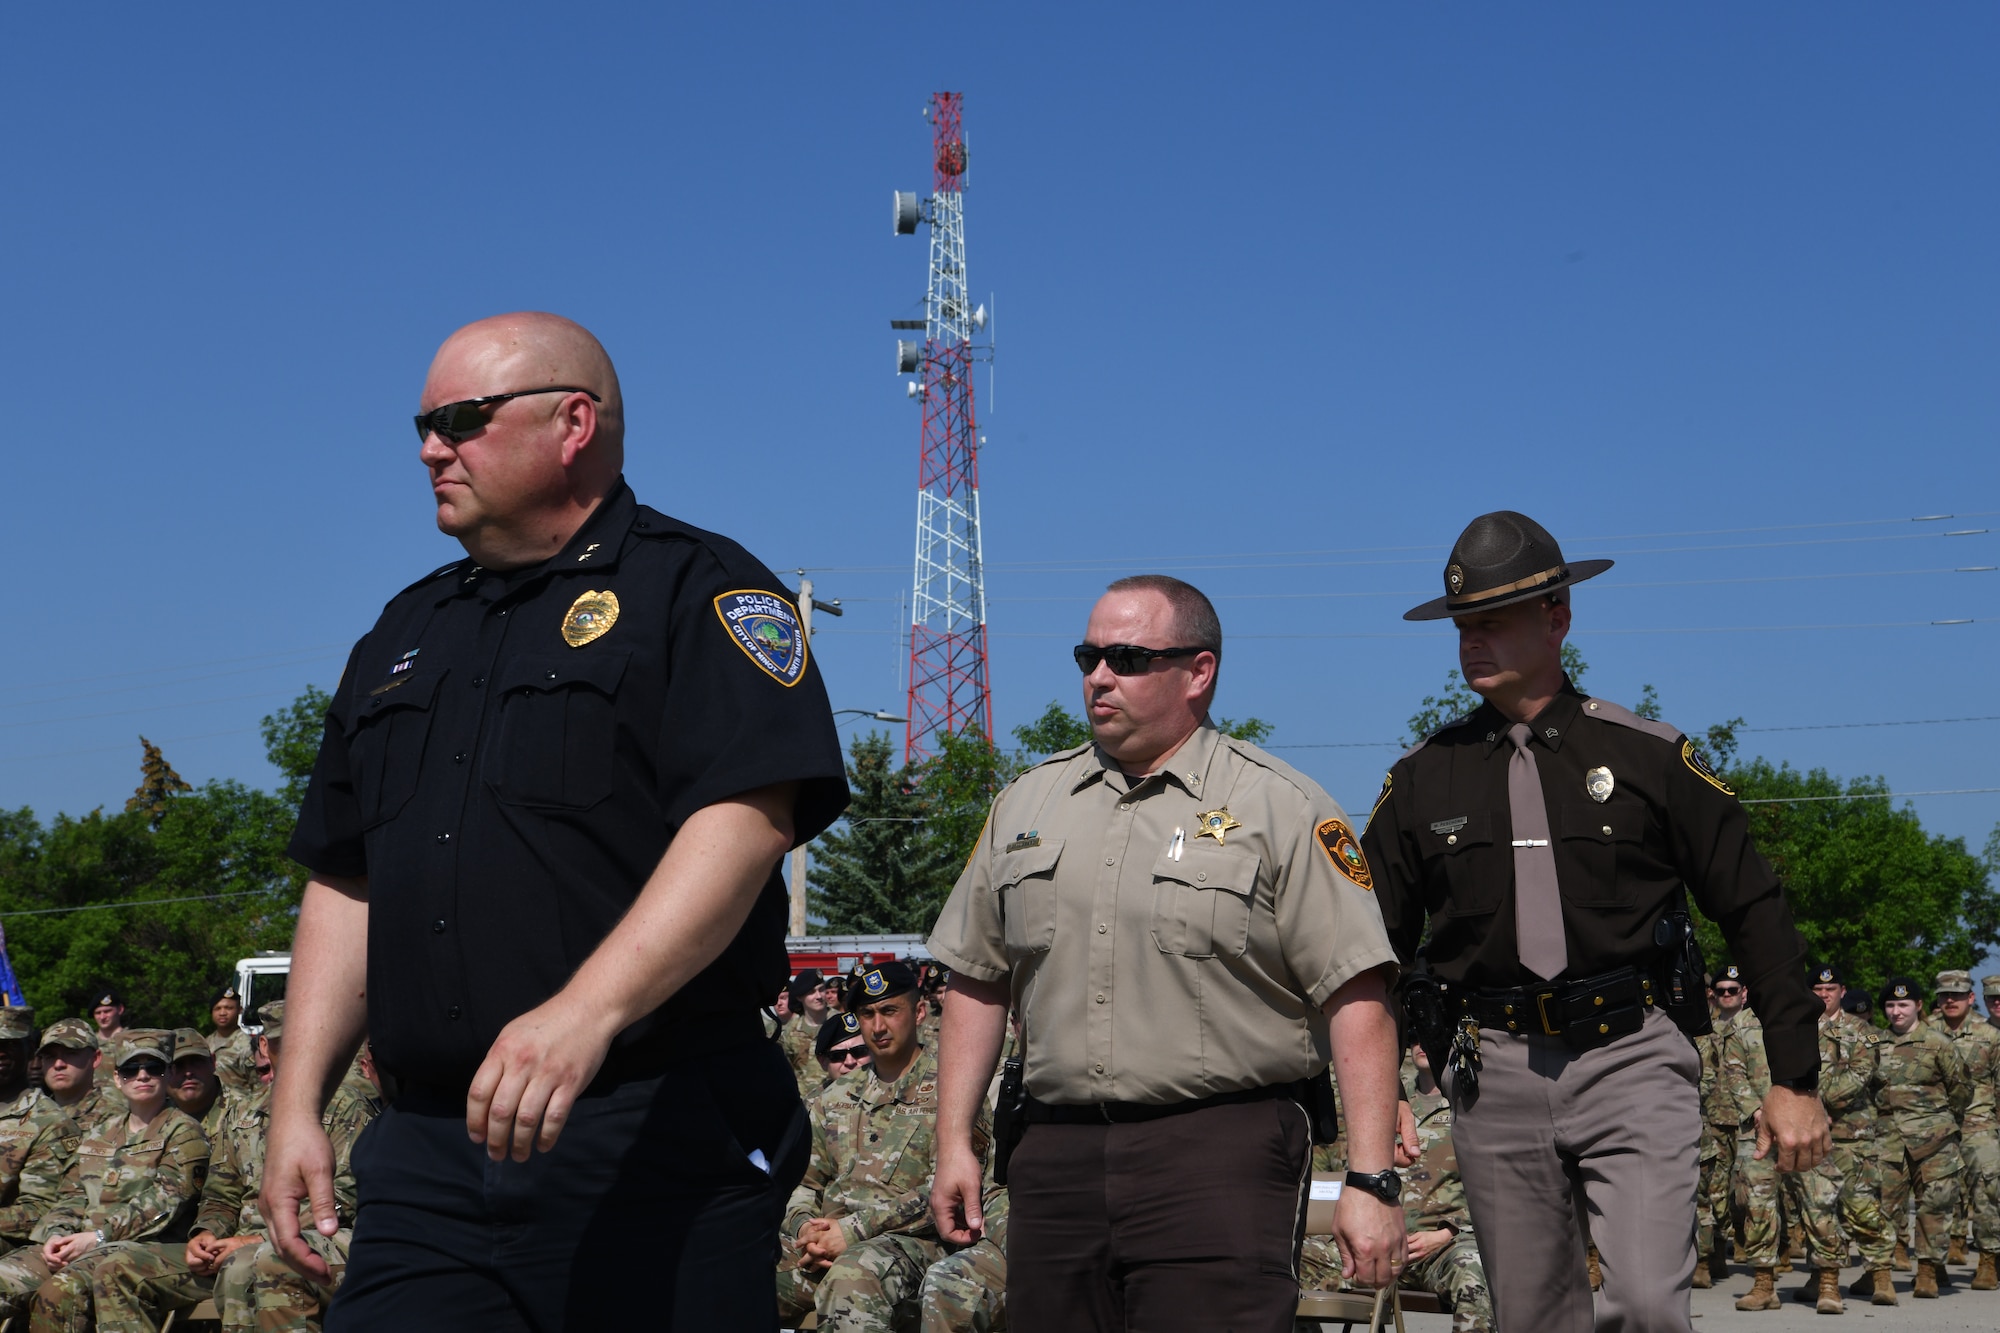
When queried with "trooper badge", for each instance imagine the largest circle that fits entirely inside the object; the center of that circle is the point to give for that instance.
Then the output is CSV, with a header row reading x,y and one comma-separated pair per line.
x,y
1599,782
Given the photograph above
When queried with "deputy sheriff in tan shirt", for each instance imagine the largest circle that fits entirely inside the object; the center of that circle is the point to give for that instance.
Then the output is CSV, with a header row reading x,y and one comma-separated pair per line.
x,y
1175,915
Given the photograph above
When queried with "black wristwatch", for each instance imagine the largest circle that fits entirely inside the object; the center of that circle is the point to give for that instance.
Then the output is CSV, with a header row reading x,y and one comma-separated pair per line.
x,y
1384,1185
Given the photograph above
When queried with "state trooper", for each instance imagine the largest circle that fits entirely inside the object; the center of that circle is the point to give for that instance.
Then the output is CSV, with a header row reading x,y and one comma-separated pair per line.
x,y
1924,1091
1546,843
1186,928
1978,1046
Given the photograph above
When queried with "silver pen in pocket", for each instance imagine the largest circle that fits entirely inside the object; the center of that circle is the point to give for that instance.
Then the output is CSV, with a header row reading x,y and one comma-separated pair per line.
x,y
1174,847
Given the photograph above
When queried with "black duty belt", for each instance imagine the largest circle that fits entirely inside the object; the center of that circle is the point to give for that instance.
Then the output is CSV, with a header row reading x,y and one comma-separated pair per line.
x,y
1128,1113
1584,1013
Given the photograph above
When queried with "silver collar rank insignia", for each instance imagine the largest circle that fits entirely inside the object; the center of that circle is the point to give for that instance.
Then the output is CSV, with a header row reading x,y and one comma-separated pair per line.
x,y
590,617
766,628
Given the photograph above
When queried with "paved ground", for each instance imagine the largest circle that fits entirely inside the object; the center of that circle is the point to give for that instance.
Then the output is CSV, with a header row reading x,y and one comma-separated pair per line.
x,y
1959,1311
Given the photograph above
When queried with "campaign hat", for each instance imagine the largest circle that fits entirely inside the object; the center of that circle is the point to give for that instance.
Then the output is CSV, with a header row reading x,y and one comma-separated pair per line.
x,y
1502,558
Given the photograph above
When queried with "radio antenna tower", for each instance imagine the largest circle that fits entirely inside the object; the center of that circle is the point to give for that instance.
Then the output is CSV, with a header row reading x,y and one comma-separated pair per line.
x,y
949,689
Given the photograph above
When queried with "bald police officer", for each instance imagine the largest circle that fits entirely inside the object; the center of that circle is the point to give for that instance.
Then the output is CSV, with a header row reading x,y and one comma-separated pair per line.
x,y
1544,839
1176,916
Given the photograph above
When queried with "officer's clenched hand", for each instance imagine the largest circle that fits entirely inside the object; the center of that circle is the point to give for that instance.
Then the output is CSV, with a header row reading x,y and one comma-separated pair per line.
x,y
1372,1237
539,1065
1794,1123
1408,1147
298,1167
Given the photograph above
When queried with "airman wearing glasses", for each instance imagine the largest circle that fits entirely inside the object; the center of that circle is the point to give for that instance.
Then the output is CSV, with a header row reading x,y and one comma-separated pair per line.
x,y
136,1179
839,1047
1186,926
38,1140
544,831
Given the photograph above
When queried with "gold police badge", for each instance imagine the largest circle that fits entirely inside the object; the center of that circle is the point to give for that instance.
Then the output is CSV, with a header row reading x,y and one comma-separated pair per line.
x,y
590,617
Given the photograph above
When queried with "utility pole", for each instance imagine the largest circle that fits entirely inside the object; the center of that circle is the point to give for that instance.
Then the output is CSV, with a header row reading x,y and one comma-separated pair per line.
x,y
832,608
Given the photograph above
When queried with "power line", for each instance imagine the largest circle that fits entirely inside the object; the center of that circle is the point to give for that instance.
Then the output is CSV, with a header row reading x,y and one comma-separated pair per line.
x,y
1812,726
184,666
108,749
134,712
159,684
140,902
1872,795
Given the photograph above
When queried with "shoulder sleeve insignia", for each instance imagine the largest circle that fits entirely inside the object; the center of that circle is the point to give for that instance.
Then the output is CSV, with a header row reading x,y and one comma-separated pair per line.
x,y
1695,761
1344,850
1388,779
766,628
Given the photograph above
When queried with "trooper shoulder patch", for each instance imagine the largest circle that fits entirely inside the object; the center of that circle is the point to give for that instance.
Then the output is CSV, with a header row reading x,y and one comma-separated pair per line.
x,y
1344,850
1388,779
1695,761
766,628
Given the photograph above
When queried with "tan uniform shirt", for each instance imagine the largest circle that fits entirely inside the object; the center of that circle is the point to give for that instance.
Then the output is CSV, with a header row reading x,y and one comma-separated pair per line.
x,y
1149,973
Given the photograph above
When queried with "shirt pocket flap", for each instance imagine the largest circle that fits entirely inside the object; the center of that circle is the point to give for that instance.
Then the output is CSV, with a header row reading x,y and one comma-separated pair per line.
x,y
412,690
599,671
1602,823
1448,837
1207,867
1016,866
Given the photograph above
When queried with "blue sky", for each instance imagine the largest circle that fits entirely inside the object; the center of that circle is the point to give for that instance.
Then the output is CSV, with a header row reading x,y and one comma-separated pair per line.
x,y
1284,296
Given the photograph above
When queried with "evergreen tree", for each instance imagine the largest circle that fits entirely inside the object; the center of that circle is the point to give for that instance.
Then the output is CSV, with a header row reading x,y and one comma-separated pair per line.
x,y
158,784
878,870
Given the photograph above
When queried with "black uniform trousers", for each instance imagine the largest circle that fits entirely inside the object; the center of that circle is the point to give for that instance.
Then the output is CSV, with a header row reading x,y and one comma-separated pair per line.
x,y
648,1212
1191,1222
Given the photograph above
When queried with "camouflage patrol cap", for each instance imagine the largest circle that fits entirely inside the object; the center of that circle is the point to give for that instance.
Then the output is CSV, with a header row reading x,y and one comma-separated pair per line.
x,y
272,1016
188,1042
74,1033
1826,974
1954,982
145,1041
881,982
1900,988
1991,984
836,1029
16,1024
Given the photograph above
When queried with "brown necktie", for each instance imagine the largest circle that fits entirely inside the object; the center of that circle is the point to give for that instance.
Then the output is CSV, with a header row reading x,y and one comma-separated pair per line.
x,y
1538,913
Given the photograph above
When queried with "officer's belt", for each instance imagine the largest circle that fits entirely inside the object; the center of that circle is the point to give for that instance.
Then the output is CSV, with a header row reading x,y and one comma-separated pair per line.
x,y
1584,1013
1127,1113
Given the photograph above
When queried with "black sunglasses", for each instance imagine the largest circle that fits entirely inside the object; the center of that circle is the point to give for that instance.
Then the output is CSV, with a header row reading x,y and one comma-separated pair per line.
x,y
1728,990
1126,659
134,1068
454,421
839,1053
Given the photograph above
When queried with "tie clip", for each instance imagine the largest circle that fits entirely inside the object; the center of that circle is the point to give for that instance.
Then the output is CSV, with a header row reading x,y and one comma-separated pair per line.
x,y
1531,842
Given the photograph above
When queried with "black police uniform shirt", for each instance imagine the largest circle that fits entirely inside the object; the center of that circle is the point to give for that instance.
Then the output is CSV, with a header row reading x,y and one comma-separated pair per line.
x,y
507,772
1440,842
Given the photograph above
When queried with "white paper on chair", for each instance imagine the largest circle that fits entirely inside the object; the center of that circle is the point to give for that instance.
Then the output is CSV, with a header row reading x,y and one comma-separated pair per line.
x,y
1324,1191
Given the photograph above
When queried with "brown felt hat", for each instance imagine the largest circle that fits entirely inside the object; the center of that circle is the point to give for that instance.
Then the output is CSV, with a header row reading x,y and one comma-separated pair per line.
x,y
1500,559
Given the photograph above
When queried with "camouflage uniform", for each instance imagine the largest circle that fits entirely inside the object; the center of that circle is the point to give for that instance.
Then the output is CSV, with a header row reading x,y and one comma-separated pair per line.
x,y
131,1187
1744,1077
795,1039
38,1143
874,1148
1978,1047
235,1062
1848,1082
1433,1198
966,1292
1923,1092
1712,1210
102,1103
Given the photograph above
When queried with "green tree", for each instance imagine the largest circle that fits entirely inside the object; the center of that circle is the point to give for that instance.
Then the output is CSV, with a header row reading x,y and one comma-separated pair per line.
x,y
218,850
291,741
1458,699
1056,730
878,870
1870,889
158,784
957,786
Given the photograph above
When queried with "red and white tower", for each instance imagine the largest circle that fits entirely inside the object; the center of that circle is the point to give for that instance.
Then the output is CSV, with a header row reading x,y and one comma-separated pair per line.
x,y
948,665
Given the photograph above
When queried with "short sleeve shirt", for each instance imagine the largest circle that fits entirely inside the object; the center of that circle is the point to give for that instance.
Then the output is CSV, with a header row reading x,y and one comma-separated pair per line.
x,y
1151,960
508,756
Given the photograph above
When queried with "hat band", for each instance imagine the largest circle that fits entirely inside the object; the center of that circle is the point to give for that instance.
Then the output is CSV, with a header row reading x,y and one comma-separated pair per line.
x,y
1519,585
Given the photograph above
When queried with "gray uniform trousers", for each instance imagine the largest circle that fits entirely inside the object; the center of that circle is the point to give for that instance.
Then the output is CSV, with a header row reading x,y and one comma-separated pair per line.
x,y
1622,1124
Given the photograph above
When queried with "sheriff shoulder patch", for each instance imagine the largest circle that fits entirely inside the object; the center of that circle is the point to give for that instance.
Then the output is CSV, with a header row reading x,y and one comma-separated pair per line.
x,y
766,628
1344,850
1694,760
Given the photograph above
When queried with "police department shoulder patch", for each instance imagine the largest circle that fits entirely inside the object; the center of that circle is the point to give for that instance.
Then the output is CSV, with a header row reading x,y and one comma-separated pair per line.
x,y
1344,850
766,628
1698,764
